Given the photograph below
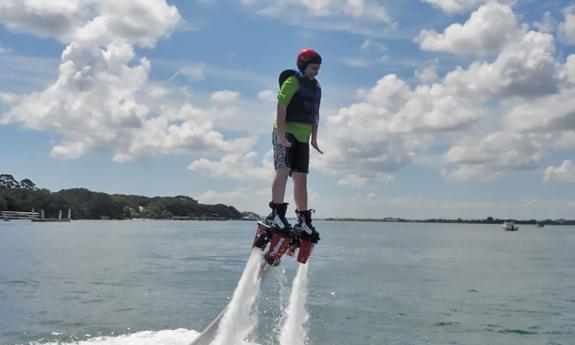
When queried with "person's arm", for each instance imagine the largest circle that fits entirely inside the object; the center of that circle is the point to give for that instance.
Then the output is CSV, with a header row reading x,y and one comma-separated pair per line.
x,y
281,123
315,128
314,138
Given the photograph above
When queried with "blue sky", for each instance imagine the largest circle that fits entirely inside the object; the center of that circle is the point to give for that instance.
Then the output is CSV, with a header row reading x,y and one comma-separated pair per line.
x,y
431,108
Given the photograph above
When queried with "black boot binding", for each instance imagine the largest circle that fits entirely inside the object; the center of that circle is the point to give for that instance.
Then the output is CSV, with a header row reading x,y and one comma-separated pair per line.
x,y
304,229
277,218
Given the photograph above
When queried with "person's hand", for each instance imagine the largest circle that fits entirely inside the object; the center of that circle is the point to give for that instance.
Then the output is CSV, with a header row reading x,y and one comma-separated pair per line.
x,y
315,146
284,141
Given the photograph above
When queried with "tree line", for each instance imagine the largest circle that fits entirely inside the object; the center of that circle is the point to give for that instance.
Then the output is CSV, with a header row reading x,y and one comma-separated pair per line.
x,y
24,196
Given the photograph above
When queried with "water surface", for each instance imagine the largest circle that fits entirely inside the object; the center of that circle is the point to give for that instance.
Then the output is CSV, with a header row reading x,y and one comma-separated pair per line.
x,y
156,282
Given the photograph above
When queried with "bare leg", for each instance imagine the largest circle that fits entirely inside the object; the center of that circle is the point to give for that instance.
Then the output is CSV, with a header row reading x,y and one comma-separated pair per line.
x,y
279,185
300,190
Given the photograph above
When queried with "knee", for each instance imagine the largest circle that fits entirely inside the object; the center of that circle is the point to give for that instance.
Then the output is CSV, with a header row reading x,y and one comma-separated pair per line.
x,y
300,179
282,173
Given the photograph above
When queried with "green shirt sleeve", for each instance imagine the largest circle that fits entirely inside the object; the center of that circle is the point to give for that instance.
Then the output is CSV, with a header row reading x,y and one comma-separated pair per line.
x,y
288,89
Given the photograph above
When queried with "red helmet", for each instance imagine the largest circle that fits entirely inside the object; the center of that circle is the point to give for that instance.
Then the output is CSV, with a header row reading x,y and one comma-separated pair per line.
x,y
305,57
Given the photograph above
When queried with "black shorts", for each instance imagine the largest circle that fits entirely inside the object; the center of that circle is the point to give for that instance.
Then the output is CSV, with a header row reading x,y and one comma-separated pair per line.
x,y
296,157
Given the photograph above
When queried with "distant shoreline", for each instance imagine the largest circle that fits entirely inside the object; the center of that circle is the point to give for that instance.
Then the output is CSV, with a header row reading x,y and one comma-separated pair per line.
x,y
360,220
81,203
23,199
455,221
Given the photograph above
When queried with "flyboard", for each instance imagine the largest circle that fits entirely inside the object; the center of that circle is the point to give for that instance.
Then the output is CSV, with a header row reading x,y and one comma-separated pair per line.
x,y
271,244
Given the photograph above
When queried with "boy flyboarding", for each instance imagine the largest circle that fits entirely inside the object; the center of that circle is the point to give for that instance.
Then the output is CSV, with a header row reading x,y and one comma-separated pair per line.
x,y
296,121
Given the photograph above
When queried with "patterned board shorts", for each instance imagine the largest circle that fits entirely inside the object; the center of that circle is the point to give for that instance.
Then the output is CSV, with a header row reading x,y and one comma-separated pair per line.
x,y
295,157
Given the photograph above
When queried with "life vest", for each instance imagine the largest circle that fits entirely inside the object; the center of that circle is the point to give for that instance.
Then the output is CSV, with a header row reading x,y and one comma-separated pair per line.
x,y
304,105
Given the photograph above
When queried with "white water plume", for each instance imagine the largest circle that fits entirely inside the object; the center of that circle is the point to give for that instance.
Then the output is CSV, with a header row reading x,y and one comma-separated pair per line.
x,y
167,337
239,320
284,291
293,331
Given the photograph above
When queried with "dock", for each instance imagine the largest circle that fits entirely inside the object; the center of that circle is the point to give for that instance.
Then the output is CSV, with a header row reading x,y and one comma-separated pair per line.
x,y
44,219
14,215
34,216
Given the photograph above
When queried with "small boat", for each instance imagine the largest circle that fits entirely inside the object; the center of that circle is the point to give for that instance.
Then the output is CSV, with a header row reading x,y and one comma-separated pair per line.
x,y
540,223
509,226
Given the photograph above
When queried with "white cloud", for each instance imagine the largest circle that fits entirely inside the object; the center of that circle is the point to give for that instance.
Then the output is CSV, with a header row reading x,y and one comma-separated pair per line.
x,y
491,156
156,19
95,106
548,23
565,173
374,45
566,28
55,19
91,22
493,116
455,6
532,112
350,8
427,108
355,16
498,150
236,166
562,141
357,181
224,96
391,124
470,172
548,114
569,69
498,114
92,102
524,68
159,136
352,180
7,97
101,100
194,73
487,31
371,53
427,74
244,199
268,96
509,113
